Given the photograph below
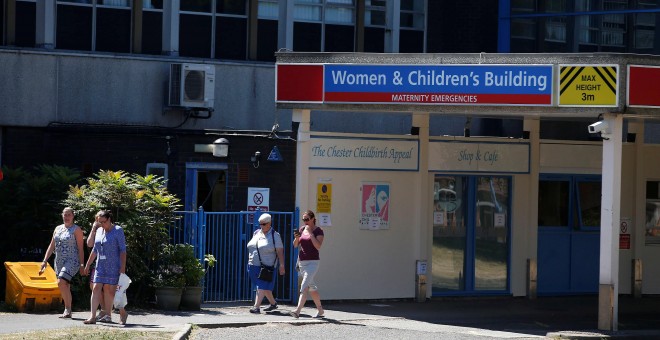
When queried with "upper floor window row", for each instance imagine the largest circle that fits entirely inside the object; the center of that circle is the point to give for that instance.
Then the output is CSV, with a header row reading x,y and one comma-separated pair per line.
x,y
221,29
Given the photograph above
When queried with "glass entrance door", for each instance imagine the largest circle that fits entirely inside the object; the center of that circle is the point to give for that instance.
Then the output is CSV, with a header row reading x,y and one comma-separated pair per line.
x,y
470,234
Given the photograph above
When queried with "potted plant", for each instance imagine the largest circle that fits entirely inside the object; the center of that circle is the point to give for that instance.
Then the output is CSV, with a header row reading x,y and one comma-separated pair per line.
x,y
168,278
194,272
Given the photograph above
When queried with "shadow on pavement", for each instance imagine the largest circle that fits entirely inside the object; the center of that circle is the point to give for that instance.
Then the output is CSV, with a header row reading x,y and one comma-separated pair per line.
x,y
539,316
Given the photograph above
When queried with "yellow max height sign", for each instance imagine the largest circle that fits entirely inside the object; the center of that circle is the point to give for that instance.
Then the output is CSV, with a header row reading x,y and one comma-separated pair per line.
x,y
588,85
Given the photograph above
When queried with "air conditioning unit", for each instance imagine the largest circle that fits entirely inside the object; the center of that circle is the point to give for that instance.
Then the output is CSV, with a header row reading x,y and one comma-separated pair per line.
x,y
192,85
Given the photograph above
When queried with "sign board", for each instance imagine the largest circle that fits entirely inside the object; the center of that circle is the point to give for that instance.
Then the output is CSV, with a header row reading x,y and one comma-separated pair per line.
x,y
257,198
324,203
624,241
362,153
513,85
421,267
643,86
588,85
478,157
375,205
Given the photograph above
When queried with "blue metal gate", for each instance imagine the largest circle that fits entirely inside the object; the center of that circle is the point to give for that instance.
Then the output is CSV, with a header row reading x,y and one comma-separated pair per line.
x,y
225,235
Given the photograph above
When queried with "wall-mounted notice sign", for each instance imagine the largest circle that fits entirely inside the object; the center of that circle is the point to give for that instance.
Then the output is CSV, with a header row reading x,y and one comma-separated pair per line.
x,y
588,85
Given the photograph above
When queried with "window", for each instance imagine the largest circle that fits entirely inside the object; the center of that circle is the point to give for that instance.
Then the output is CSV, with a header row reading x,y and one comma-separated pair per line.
x,y
523,28
104,25
268,9
267,29
553,203
569,202
158,169
375,23
555,26
26,24
231,29
652,212
645,25
411,34
152,26
324,26
221,34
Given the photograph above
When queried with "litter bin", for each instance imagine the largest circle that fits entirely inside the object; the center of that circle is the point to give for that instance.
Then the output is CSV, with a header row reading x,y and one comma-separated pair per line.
x,y
30,292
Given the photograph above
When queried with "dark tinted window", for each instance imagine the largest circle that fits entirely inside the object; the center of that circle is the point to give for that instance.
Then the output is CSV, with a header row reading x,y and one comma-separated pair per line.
x,y
196,5
339,38
113,30
74,28
195,36
26,25
266,40
231,7
306,37
411,41
230,38
374,39
2,22
553,203
152,31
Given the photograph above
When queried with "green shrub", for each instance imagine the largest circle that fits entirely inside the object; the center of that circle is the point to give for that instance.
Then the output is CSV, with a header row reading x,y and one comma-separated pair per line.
x,y
142,206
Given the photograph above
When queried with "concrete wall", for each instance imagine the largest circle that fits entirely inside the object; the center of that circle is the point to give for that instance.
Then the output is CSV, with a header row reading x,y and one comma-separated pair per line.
x,y
40,88
651,253
366,264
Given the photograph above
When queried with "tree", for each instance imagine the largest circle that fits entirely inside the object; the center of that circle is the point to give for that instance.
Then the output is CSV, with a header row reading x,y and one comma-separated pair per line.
x,y
141,205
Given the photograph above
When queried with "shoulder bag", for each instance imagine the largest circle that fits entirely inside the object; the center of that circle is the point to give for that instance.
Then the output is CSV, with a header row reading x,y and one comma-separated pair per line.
x,y
266,272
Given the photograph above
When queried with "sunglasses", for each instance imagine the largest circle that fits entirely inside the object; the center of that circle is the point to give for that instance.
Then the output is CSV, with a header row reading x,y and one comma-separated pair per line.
x,y
263,223
305,219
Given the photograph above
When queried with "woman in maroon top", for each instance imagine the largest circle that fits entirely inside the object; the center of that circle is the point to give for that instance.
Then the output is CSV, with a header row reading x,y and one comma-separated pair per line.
x,y
310,239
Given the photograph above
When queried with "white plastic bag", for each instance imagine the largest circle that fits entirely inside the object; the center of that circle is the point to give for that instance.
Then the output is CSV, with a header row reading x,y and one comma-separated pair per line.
x,y
120,300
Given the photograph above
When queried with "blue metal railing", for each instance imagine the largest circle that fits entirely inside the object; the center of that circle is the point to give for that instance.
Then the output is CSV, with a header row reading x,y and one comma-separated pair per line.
x,y
225,235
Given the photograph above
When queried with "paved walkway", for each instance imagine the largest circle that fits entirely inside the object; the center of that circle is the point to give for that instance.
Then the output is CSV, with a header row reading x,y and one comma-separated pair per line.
x,y
569,317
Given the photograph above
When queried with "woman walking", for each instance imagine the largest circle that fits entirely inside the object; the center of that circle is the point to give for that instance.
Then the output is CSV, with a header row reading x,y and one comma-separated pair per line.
x,y
309,238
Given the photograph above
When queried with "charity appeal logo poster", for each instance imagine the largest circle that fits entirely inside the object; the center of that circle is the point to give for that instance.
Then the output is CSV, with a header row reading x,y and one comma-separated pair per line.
x,y
374,205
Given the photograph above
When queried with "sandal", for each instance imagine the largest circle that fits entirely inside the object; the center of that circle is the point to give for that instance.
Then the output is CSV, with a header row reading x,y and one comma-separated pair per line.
x,y
100,316
106,319
65,315
294,314
319,316
89,322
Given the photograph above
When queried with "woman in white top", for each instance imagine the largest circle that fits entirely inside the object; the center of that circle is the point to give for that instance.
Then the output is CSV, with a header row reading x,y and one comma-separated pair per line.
x,y
266,248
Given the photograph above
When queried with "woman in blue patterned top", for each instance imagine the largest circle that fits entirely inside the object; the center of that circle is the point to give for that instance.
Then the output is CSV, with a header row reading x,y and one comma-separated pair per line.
x,y
110,254
67,244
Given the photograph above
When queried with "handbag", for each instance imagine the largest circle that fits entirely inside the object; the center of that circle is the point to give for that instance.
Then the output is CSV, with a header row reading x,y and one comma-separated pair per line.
x,y
266,273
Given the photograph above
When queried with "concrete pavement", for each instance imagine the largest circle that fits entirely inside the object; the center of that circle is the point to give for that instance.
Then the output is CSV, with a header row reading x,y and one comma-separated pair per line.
x,y
568,317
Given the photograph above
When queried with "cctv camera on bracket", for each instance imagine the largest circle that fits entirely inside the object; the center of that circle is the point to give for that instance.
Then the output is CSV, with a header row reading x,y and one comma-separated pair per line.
x,y
597,127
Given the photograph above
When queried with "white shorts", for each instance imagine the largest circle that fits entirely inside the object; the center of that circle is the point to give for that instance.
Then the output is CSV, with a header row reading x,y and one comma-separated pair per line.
x,y
308,271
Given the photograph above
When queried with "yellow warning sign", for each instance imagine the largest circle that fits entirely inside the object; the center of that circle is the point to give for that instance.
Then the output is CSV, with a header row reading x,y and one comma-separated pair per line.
x,y
588,85
324,198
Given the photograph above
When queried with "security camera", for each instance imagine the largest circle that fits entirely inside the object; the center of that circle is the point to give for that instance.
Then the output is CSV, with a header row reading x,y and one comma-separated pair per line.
x,y
600,126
